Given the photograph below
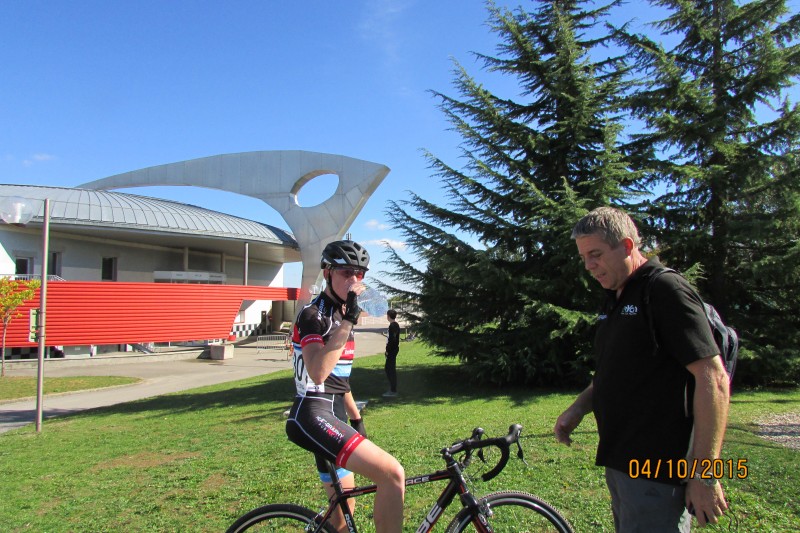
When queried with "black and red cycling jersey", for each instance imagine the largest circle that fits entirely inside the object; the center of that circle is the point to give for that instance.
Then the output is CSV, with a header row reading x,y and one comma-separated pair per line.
x,y
314,324
317,419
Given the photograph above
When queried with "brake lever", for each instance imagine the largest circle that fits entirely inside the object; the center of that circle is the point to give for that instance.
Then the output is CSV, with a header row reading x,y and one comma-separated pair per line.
x,y
477,434
481,457
521,455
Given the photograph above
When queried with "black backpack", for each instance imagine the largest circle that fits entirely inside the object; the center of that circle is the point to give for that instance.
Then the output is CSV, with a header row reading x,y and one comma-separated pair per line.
x,y
726,338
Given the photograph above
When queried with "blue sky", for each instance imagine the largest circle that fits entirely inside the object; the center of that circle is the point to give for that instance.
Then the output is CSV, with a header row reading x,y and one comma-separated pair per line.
x,y
90,89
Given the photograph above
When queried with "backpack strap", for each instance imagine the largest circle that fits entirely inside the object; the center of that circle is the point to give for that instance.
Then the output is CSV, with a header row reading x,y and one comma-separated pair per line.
x,y
646,299
688,391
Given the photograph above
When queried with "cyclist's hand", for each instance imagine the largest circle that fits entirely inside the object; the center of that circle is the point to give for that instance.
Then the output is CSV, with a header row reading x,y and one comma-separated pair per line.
x,y
565,424
357,287
351,309
358,425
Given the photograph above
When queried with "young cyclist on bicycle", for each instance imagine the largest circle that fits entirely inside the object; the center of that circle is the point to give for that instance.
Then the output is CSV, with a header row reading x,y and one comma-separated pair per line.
x,y
324,346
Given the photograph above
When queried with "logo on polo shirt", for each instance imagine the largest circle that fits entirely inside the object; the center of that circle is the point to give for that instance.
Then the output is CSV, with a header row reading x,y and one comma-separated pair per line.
x,y
630,310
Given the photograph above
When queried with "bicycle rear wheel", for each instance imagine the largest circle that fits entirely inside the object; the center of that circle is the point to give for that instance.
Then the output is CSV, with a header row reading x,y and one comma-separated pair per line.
x,y
514,512
280,518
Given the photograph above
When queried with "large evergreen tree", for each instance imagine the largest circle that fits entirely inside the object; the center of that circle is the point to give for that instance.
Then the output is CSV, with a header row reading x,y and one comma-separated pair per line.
x,y
732,200
501,286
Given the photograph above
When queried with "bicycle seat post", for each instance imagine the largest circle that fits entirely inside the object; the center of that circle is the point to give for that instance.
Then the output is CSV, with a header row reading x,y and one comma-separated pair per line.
x,y
338,499
337,485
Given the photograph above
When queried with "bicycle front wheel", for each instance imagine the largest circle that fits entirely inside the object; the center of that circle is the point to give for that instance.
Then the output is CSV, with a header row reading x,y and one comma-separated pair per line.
x,y
281,518
514,512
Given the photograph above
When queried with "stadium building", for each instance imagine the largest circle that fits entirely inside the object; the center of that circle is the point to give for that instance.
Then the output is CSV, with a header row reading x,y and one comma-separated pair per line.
x,y
129,272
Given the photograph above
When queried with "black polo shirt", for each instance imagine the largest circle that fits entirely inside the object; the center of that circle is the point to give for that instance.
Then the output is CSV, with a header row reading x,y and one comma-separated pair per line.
x,y
638,395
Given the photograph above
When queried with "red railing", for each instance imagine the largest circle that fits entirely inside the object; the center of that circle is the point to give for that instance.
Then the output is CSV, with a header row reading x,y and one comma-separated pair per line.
x,y
81,313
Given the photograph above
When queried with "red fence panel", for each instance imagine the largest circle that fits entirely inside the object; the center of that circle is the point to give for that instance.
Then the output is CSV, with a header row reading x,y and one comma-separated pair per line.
x,y
81,313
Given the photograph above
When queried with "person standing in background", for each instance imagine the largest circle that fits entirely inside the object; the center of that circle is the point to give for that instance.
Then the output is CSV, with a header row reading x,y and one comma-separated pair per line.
x,y
392,349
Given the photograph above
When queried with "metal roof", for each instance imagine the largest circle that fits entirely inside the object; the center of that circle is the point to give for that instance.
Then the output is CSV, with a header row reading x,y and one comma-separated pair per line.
x,y
130,217
84,206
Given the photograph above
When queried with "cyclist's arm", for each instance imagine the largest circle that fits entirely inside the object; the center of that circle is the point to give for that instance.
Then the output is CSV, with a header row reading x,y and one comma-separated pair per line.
x,y
320,359
571,418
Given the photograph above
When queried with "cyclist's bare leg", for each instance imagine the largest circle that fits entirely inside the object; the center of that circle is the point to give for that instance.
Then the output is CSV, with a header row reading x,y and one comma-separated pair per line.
x,y
385,471
337,518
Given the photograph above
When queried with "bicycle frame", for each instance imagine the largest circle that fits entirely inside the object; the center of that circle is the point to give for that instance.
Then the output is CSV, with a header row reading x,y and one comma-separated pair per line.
x,y
456,485
518,506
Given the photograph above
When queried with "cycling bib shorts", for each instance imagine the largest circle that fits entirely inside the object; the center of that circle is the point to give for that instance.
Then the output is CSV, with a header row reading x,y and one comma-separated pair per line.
x,y
317,422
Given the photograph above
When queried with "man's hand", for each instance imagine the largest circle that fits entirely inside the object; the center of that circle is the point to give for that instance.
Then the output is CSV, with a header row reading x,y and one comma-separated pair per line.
x,y
565,424
706,503
571,418
351,309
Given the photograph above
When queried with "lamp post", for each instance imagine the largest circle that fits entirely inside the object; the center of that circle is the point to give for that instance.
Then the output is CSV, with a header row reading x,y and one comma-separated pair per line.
x,y
19,211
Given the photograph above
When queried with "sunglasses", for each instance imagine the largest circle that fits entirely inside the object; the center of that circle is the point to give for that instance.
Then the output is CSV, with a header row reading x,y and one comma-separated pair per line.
x,y
349,272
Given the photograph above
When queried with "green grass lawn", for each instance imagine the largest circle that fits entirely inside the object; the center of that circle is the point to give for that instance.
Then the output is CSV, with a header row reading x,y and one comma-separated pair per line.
x,y
15,388
194,461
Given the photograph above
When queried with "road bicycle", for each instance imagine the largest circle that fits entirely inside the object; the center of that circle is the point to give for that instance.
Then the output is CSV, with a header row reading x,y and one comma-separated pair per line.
x,y
498,512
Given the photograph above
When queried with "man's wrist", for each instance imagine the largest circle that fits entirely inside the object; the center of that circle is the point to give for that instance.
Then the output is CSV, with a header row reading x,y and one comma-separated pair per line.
x,y
707,481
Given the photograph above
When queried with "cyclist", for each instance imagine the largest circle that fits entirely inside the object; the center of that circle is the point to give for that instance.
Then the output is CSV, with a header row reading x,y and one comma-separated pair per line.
x,y
324,346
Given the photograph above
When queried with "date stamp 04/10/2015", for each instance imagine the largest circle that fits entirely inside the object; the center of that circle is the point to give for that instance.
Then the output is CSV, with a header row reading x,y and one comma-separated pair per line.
x,y
688,468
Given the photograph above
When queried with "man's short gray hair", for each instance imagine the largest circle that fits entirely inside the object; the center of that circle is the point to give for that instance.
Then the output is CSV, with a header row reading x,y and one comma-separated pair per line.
x,y
611,224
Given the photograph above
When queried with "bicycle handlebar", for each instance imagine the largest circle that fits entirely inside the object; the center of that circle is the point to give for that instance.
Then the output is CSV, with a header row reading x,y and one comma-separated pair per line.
x,y
476,443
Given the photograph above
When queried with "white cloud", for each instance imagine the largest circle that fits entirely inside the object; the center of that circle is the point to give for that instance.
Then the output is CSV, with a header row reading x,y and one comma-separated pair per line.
x,y
386,243
374,224
381,25
37,158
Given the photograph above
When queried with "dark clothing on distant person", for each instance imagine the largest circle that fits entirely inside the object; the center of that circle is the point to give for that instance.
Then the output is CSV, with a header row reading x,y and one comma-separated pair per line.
x,y
393,342
392,349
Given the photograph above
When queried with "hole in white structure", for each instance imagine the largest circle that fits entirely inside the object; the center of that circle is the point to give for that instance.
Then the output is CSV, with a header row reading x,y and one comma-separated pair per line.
x,y
316,189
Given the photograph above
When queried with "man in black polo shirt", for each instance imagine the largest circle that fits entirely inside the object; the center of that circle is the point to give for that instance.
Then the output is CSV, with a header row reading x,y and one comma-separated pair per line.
x,y
638,395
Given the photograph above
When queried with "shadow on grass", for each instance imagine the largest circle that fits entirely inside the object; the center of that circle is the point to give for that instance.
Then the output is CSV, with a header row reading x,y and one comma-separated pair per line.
x,y
450,383
734,400
748,435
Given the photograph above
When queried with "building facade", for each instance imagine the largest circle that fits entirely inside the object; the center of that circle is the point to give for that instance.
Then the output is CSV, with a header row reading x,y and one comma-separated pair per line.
x,y
100,236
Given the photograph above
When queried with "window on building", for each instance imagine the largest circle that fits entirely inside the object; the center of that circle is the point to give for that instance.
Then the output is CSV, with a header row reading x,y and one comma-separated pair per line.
x,y
109,269
54,264
24,266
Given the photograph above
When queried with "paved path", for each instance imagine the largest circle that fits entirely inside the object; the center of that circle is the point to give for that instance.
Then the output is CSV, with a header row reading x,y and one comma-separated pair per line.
x,y
158,377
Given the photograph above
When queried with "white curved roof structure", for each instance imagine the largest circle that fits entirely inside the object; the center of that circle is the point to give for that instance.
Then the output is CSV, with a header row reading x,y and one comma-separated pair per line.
x,y
70,206
275,177
156,221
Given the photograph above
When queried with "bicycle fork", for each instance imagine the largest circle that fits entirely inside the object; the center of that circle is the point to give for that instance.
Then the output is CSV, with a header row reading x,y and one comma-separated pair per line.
x,y
480,513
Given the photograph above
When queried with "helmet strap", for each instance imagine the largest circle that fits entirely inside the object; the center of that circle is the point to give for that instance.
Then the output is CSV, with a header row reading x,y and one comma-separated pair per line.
x,y
330,285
